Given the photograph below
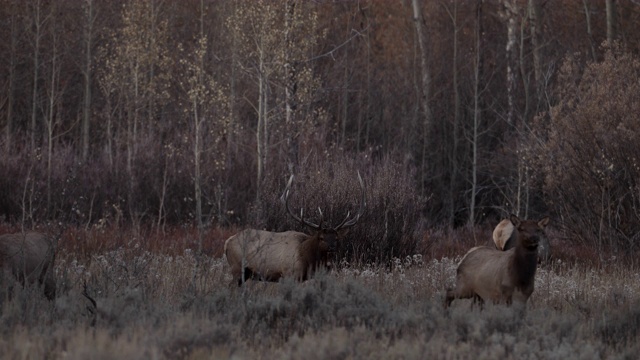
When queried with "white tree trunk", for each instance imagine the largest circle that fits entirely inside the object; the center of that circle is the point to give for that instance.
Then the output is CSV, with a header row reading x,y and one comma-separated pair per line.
x,y
453,14
290,87
425,85
12,75
587,14
535,20
37,22
86,74
612,21
261,131
509,15
477,115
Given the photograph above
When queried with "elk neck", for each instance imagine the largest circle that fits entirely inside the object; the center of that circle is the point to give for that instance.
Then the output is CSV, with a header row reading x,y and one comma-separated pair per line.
x,y
310,248
524,263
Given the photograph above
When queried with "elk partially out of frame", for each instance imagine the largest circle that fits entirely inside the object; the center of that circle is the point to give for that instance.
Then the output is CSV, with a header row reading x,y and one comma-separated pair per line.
x,y
269,256
486,274
504,237
29,257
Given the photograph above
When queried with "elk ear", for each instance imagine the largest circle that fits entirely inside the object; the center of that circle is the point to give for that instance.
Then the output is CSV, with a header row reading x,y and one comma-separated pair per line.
x,y
543,222
515,220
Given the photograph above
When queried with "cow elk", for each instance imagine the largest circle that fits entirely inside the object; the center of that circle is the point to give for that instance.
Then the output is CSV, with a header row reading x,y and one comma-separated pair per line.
x,y
269,256
29,257
504,239
486,274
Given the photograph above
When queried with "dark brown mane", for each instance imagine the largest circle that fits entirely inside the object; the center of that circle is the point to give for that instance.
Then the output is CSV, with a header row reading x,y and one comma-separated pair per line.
x,y
523,267
313,251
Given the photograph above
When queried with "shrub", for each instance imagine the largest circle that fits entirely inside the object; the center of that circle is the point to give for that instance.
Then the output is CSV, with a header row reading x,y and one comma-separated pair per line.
x,y
586,154
391,222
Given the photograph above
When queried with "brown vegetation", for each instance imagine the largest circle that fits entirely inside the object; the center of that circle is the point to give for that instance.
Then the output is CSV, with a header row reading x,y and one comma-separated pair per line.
x,y
134,113
592,135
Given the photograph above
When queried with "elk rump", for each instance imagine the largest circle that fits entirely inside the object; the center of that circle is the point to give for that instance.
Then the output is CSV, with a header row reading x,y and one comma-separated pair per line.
x,y
29,258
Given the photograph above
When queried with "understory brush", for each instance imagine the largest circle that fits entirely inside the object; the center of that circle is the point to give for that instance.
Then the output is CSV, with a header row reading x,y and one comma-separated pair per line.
x,y
186,306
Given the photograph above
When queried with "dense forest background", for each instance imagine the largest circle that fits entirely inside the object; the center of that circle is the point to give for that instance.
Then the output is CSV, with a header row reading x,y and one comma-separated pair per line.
x,y
456,113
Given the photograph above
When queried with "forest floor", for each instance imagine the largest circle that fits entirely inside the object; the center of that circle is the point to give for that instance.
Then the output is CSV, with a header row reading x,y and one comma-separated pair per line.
x,y
156,299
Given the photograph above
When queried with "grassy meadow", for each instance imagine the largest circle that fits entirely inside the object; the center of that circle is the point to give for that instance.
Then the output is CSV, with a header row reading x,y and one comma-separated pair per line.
x,y
156,299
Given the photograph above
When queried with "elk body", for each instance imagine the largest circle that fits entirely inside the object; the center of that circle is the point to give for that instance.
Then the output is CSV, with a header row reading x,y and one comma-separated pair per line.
x,y
486,274
269,256
29,257
505,238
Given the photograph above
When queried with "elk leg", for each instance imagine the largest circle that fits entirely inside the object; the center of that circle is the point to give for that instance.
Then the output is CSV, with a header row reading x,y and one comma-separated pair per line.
x,y
507,295
458,293
248,274
449,298
478,301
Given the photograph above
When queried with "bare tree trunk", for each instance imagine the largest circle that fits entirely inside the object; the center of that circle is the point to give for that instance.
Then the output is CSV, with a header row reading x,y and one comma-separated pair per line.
x,y
345,102
587,14
163,195
49,119
265,120
612,21
131,136
197,176
477,114
522,196
12,75
457,119
424,67
109,113
364,118
525,81
53,91
509,14
522,193
197,128
535,20
368,118
426,85
233,97
457,110
86,74
291,85
345,91
261,131
37,24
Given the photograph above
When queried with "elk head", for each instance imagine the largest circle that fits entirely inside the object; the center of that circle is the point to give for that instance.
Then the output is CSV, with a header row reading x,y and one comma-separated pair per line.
x,y
529,232
326,234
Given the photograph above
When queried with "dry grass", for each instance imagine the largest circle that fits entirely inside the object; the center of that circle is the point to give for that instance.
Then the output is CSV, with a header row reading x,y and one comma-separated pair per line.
x,y
174,304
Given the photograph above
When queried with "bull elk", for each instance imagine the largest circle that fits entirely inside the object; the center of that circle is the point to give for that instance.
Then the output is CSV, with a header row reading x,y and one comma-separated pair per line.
x,y
268,256
486,274
504,239
29,257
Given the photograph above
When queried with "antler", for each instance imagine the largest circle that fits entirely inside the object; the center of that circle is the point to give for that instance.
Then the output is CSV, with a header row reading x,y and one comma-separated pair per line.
x,y
344,224
348,223
285,200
